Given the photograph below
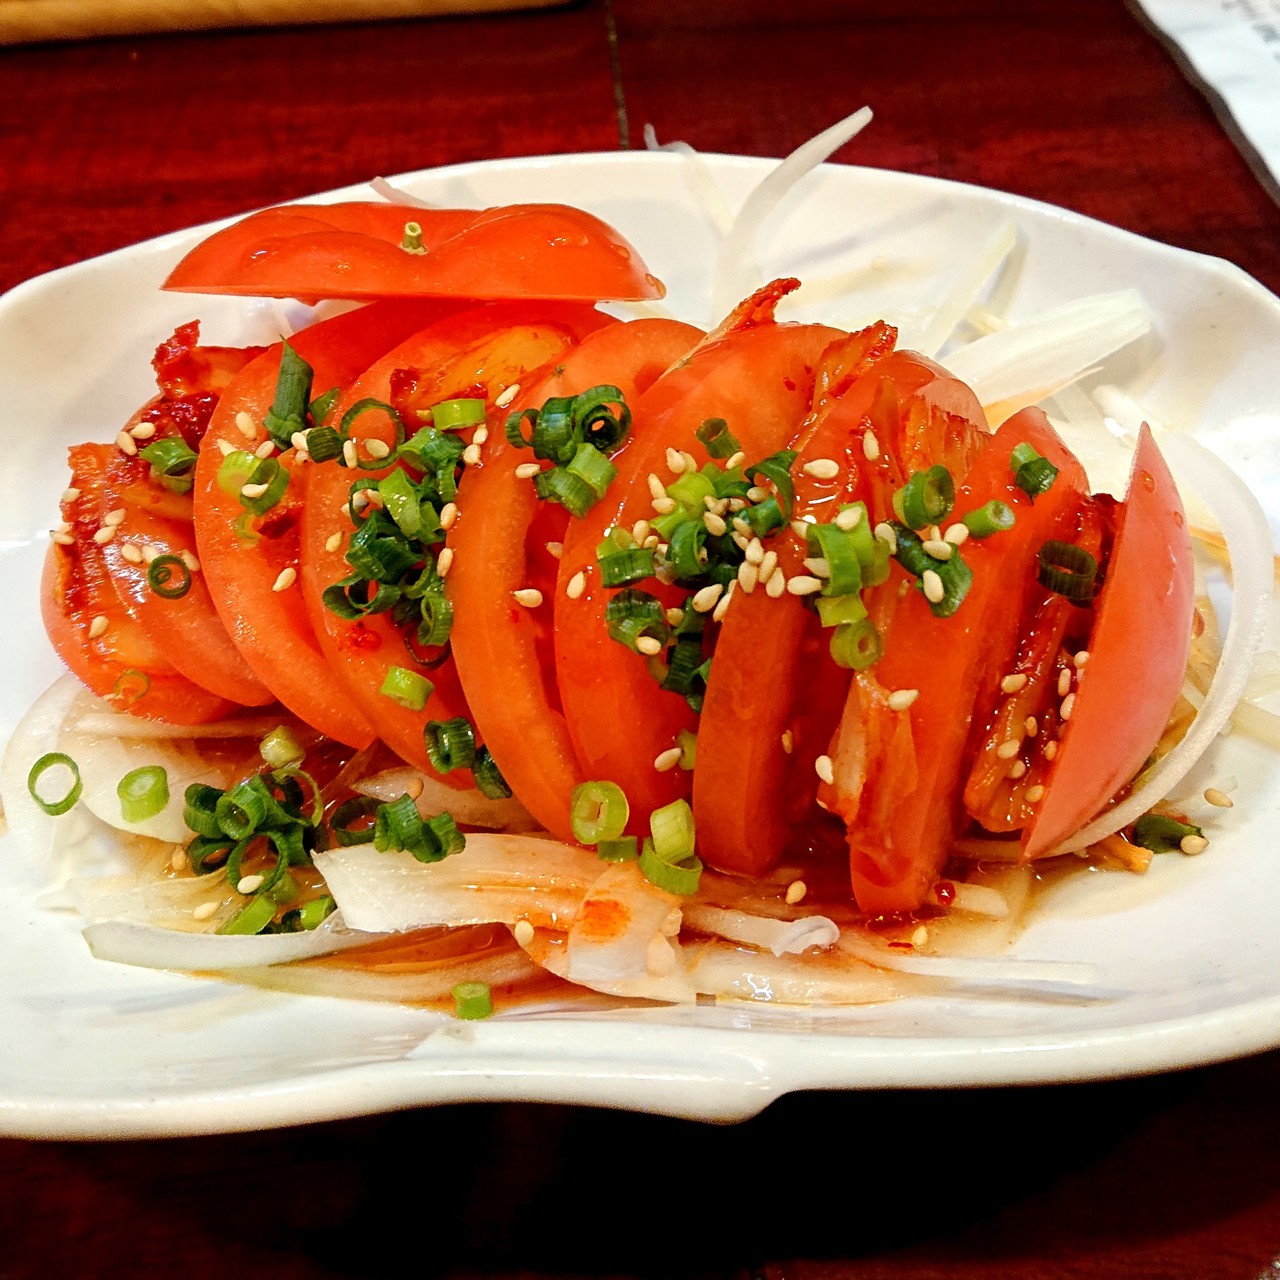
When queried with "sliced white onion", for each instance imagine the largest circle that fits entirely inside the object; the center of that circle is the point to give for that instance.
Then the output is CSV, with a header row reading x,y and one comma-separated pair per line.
x,y
500,879
704,183
396,195
782,937
149,947
736,272
1028,360
1248,539
469,808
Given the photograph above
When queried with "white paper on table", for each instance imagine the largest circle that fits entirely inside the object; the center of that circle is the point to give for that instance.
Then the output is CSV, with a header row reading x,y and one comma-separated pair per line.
x,y
1233,48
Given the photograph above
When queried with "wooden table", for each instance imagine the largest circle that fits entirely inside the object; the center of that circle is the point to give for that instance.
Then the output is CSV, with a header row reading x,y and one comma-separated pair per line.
x,y
108,142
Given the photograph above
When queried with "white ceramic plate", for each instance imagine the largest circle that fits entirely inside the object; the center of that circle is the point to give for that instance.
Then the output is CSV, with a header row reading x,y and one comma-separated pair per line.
x,y
1190,954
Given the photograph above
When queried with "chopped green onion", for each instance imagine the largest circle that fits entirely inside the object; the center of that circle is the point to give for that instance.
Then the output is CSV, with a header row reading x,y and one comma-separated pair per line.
x,y
1067,570
838,547
955,576
488,777
280,748
453,415
288,412
318,410
234,471
161,575
680,876
270,473
344,820
776,468
131,686
856,645
451,744
991,517
1033,474
1161,833
598,811
623,849
172,463
632,616
406,688
310,915
252,918
926,498
370,405
835,611
673,830
143,792
55,760
714,435
686,550
622,568
399,825
472,1001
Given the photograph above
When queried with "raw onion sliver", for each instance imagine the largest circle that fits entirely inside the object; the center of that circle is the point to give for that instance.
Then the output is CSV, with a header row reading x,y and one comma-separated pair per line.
x,y
1248,538
782,937
964,291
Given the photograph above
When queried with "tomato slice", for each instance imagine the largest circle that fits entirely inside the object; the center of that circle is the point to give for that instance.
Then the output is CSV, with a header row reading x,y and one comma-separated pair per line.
x,y
250,572
767,731
89,625
354,250
1143,619
482,353
505,652
759,377
904,763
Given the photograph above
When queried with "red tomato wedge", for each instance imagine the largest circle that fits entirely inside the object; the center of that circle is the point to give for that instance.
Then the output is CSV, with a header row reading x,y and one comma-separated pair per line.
x,y
185,628
505,652
757,376
481,353
90,627
250,577
356,250
904,764
1142,623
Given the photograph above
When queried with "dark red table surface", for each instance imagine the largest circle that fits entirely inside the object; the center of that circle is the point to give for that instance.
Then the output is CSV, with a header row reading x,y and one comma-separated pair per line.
x,y
1076,102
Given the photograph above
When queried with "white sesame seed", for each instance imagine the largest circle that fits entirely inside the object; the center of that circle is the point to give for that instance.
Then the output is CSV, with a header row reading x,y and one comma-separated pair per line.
x,y
1016,770
1034,794
795,892
189,559
265,449
715,524
800,528
1067,706
70,493
1013,683
741,526
178,860
740,540
527,470
640,531
747,576
143,431
650,646
444,561
300,442
690,462
1081,658
253,490
819,566
870,446
480,435
98,626
825,769
507,396
675,461
788,742
1009,748
901,699
448,514
656,488
674,616
225,447
667,760
757,494
722,605
287,577
664,506
1219,799
105,534
471,455
768,565
886,533
1193,844
126,443
957,534
249,884
803,585
376,448
775,585
131,553
755,551
333,542
704,600
1050,750
150,552
523,933
822,468
934,591
849,518
62,537
204,910
919,936
246,426
1032,726
736,460
414,788
576,586
349,455
938,548
529,597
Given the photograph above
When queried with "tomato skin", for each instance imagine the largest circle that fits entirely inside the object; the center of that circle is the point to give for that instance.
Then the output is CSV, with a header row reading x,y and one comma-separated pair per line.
x,y
478,352
1142,622
760,379
504,653
271,627
76,588
353,250
908,805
